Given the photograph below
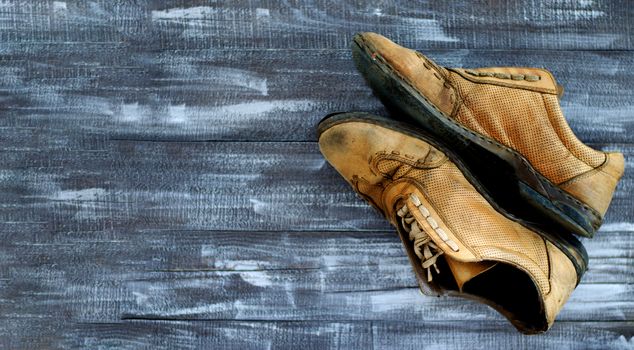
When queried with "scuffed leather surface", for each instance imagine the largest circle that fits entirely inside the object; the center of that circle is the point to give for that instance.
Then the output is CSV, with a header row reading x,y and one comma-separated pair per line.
x,y
520,114
421,72
545,84
482,233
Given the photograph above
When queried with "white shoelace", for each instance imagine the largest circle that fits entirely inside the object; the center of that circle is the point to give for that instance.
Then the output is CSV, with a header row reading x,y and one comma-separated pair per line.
x,y
426,250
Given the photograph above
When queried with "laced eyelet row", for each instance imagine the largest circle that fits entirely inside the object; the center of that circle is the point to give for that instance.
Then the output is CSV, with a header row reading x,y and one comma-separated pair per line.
x,y
527,77
424,248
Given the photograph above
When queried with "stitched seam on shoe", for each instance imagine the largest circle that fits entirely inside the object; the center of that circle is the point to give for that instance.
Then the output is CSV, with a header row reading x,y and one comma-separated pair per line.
x,y
588,173
436,69
478,189
509,85
355,185
497,144
466,99
522,159
379,156
591,211
559,136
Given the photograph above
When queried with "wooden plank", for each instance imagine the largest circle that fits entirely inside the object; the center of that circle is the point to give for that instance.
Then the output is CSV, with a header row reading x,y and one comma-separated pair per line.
x,y
169,242
66,98
198,186
412,334
107,276
488,335
317,24
189,335
336,253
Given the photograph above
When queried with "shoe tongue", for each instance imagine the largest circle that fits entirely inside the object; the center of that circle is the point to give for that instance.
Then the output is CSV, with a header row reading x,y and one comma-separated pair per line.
x,y
463,272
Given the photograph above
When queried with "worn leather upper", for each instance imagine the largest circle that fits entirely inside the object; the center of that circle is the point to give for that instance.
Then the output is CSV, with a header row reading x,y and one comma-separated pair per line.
x,y
515,106
387,167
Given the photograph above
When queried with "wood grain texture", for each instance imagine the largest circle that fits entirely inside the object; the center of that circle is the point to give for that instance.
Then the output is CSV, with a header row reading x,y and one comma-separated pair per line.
x,y
319,24
160,184
261,186
317,335
240,275
258,95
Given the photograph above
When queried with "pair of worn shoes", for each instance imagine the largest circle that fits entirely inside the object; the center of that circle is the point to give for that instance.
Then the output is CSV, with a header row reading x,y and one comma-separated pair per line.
x,y
483,178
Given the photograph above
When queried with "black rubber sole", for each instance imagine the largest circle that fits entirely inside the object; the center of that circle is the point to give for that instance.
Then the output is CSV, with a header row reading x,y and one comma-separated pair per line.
x,y
559,237
505,175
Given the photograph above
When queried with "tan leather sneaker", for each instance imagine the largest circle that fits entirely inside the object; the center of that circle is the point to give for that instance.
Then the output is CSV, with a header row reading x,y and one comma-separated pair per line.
x,y
458,243
506,124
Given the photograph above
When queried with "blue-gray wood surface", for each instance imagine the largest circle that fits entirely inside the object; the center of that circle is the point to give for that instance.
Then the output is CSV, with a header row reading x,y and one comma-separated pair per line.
x,y
160,184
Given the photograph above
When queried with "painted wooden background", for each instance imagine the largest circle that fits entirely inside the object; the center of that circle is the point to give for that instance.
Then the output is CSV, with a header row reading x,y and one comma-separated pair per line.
x,y
160,184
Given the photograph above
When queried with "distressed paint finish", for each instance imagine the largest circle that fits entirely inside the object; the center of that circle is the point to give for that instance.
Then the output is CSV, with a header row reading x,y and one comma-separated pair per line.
x,y
160,184
311,335
321,24
143,185
227,275
204,94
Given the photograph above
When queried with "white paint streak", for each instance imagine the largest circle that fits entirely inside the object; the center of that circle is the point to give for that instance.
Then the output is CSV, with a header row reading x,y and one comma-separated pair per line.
x,y
585,118
259,206
59,6
428,29
241,264
129,113
221,261
588,297
628,344
140,298
221,115
197,310
617,226
586,14
331,260
257,278
257,107
196,69
394,300
595,40
261,12
198,12
85,194
561,10
241,78
177,114
290,289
